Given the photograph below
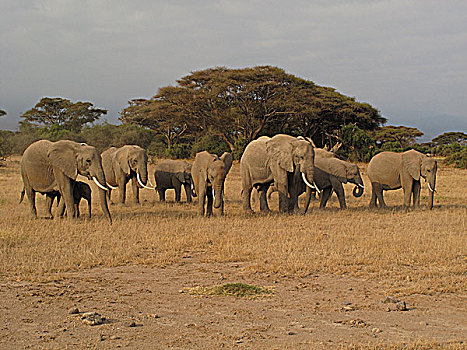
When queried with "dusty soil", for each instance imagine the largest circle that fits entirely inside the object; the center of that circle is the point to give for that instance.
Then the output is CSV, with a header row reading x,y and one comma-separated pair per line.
x,y
148,308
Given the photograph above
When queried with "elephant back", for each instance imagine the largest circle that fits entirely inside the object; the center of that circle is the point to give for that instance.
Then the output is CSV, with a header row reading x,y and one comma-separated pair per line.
x,y
173,166
385,168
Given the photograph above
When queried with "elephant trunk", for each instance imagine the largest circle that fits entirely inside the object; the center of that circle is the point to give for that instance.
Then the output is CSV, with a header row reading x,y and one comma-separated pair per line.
x,y
431,186
218,194
359,188
100,178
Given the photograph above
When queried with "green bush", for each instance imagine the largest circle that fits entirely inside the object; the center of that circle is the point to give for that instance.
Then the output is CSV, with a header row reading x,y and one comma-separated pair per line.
x,y
211,143
458,159
357,146
179,151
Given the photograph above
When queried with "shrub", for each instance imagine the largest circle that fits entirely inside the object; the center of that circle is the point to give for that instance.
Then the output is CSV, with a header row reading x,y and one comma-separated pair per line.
x,y
239,147
458,159
211,143
179,151
356,144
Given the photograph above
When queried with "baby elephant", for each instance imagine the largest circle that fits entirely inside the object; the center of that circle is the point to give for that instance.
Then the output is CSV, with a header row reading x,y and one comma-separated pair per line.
x,y
80,190
173,174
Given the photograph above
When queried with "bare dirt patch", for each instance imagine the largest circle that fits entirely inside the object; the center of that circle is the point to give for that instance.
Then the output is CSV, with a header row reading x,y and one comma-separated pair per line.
x,y
147,308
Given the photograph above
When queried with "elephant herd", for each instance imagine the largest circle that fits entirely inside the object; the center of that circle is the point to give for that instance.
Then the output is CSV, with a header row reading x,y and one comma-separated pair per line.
x,y
283,163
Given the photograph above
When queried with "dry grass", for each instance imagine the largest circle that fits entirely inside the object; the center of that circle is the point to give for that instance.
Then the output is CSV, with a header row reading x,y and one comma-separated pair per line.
x,y
408,251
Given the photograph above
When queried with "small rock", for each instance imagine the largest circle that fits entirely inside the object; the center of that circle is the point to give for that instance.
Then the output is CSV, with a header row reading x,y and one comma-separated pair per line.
x,y
291,333
423,323
388,309
130,324
376,330
114,337
346,303
73,311
92,318
390,300
101,337
401,306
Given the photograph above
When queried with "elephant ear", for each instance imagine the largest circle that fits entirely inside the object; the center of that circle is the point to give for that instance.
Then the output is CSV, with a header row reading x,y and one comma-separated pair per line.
x,y
412,161
181,177
121,157
62,156
281,152
334,167
227,159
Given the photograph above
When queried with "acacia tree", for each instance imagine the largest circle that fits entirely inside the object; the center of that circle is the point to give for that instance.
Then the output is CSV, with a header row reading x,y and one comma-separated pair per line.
x,y
62,113
403,136
449,138
240,105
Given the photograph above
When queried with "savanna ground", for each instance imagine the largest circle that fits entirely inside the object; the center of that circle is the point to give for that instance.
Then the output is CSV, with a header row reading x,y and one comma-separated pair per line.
x,y
334,277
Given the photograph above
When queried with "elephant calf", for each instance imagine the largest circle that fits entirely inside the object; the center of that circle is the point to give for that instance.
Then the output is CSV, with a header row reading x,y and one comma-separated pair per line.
x,y
172,174
80,190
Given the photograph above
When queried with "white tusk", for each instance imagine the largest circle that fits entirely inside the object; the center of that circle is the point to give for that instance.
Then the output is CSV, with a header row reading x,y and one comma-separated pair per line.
x,y
361,186
316,187
432,190
141,184
99,184
310,185
111,187
150,184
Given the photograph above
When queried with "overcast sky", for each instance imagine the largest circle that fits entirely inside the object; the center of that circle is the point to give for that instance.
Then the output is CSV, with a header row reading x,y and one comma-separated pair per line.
x,y
406,58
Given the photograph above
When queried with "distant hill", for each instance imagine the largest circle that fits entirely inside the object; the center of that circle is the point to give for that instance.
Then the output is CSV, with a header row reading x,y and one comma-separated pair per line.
x,y
429,123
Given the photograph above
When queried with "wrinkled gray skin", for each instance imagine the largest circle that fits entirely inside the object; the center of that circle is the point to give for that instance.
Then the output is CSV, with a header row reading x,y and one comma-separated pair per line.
x,y
122,165
80,190
330,174
391,171
173,174
48,167
280,160
208,173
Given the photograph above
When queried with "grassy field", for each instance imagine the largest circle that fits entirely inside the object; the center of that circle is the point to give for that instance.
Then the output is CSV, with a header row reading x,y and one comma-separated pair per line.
x,y
408,251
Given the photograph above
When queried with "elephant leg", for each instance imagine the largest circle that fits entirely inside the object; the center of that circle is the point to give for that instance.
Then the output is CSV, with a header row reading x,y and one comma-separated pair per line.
x,y
77,209
109,192
187,188
60,207
121,191
66,191
49,199
416,194
339,189
135,189
378,188
201,200
408,192
210,201
246,199
178,192
263,201
325,195
161,192
31,200
373,196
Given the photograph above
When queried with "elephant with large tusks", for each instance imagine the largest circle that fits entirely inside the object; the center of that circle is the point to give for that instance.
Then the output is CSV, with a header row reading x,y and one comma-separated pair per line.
x,y
48,167
208,173
281,160
391,171
173,174
129,162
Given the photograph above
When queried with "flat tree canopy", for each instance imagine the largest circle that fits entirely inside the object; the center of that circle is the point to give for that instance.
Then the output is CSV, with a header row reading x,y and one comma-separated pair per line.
x,y
63,113
403,136
247,103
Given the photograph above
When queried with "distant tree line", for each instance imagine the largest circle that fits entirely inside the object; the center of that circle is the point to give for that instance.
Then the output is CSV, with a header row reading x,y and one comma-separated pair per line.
x,y
220,109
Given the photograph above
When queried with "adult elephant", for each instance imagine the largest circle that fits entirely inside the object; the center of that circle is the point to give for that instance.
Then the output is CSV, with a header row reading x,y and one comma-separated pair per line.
x,y
129,162
208,173
281,160
170,174
391,171
48,167
330,174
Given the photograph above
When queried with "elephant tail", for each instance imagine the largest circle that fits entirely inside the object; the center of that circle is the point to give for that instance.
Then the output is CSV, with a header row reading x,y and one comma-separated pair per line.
x,y
22,194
